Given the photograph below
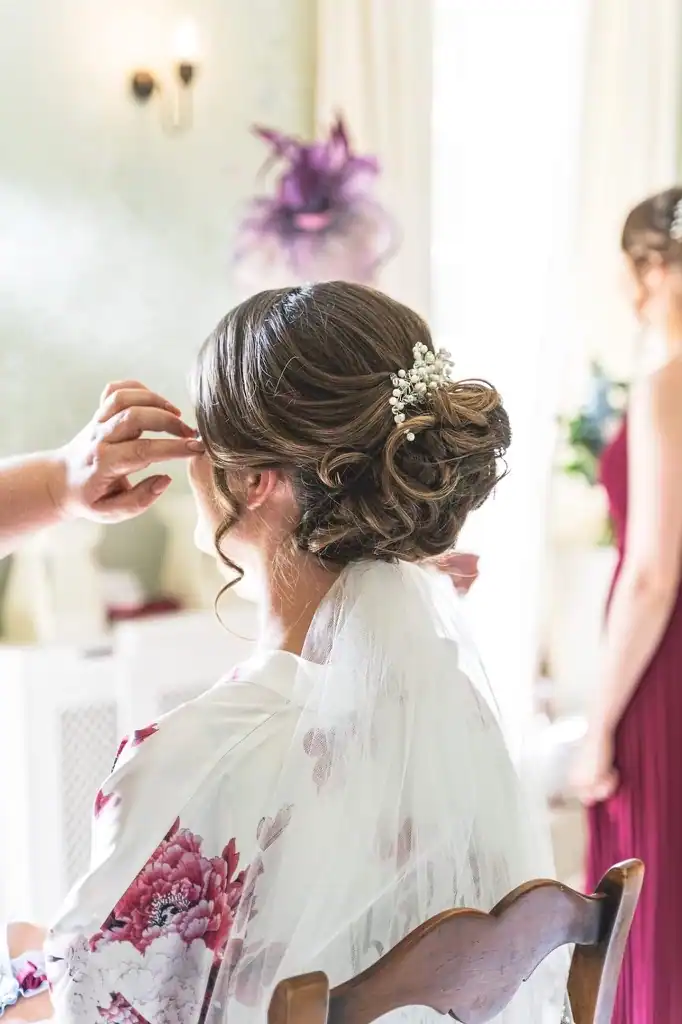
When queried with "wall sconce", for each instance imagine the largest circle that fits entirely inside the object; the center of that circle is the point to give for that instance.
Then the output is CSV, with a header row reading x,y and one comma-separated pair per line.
x,y
177,111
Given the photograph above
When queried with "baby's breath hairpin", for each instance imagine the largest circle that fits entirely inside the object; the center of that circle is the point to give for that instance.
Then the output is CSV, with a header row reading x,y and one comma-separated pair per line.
x,y
676,223
430,371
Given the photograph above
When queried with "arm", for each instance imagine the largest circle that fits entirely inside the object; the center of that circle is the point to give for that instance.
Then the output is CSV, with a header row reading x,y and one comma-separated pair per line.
x,y
29,489
649,580
89,476
647,586
27,962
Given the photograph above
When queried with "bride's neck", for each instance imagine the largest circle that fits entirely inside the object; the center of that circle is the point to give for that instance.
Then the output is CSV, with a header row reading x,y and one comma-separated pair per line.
x,y
293,590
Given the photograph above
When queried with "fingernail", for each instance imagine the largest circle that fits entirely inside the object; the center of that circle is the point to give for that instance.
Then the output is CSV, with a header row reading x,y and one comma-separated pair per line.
x,y
160,484
195,446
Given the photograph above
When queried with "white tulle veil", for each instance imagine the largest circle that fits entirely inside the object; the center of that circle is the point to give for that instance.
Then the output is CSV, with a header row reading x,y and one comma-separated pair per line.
x,y
397,800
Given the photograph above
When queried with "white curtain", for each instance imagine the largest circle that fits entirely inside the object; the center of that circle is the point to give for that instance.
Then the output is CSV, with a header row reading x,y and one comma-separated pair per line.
x,y
630,132
630,149
508,89
374,66
513,137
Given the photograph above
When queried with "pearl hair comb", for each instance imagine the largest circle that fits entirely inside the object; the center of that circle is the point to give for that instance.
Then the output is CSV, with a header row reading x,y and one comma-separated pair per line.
x,y
430,371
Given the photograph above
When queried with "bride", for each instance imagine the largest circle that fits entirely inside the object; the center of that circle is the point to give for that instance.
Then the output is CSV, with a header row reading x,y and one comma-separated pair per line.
x,y
351,779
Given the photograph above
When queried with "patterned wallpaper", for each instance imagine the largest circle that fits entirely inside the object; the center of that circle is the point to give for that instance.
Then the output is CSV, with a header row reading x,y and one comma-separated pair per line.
x,y
114,235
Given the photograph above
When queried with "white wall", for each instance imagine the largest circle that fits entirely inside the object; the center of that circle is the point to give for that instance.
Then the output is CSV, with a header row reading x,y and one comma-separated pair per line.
x,y
115,237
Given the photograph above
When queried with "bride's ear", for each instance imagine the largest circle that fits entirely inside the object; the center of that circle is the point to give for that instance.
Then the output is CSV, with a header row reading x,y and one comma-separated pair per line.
x,y
654,276
262,486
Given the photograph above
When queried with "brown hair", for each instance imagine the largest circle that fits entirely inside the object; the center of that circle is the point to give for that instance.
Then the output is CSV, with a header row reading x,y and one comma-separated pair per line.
x,y
646,234
300,379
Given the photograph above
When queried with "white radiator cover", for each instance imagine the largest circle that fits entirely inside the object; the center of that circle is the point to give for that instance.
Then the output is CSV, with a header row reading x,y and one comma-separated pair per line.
x,y
62,714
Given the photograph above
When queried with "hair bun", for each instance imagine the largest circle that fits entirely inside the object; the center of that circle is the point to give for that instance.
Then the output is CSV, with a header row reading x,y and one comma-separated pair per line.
x,y
303,379
410,501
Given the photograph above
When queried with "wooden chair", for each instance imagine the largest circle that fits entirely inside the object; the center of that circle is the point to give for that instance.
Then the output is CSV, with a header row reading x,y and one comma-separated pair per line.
x,y
469,964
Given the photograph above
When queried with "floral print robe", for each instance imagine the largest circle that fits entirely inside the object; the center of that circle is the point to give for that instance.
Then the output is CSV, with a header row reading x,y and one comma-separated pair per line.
x,y
141,937
187,845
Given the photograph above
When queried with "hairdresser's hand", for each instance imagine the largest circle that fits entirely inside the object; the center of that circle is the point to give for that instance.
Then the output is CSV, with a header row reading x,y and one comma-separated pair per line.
x,y
462,568
91,472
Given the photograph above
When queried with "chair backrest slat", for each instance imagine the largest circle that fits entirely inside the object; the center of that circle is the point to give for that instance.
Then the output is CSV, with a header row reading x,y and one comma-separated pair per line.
x,y
470,964
595,969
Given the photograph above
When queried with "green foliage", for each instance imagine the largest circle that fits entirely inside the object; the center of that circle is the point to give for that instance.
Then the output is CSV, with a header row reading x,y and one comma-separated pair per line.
x,y
587,433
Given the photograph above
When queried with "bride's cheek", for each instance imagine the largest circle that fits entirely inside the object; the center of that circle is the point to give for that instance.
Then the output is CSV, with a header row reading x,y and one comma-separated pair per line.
x,y
204,536
209,516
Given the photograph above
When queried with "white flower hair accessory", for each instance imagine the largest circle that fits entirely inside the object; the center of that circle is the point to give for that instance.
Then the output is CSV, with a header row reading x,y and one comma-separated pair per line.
x,y
430,371
676,223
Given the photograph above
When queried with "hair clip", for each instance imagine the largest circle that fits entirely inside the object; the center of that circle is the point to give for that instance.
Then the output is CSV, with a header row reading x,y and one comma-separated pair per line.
x,y
430,371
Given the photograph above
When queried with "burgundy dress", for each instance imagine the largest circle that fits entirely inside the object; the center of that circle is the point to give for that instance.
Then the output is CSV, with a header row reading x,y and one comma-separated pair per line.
x,y
644,817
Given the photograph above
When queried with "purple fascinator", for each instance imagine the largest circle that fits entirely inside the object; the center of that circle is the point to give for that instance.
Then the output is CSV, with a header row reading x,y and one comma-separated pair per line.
x,y
322,219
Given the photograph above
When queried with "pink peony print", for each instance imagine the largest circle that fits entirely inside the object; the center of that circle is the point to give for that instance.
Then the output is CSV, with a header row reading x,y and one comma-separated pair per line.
x,y
253,969
319,744
180,891
30,977
121,1012
140,735
270,829
120,750
329,747
247,907
402,848
101,801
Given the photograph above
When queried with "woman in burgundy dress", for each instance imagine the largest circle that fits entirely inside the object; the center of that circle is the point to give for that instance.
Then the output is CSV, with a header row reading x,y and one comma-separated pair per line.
x,y
630,772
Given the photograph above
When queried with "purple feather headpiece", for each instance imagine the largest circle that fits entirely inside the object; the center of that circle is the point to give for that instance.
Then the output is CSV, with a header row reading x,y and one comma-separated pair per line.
x,y
322,212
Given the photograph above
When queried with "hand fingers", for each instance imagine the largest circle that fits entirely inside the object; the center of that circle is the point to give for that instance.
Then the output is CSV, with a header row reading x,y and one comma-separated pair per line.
x,y
462,572
461,568
132,456
597,790
456,560
609,785
119,385
586,794
127,398
123,397
132,423
132,502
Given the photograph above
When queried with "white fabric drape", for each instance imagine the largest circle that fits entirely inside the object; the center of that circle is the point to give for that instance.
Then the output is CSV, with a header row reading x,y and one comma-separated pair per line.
x,y
374,67
629,150
508,81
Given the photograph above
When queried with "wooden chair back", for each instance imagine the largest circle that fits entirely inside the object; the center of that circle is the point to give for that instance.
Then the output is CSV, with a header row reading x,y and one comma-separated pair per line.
x,y
470,964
